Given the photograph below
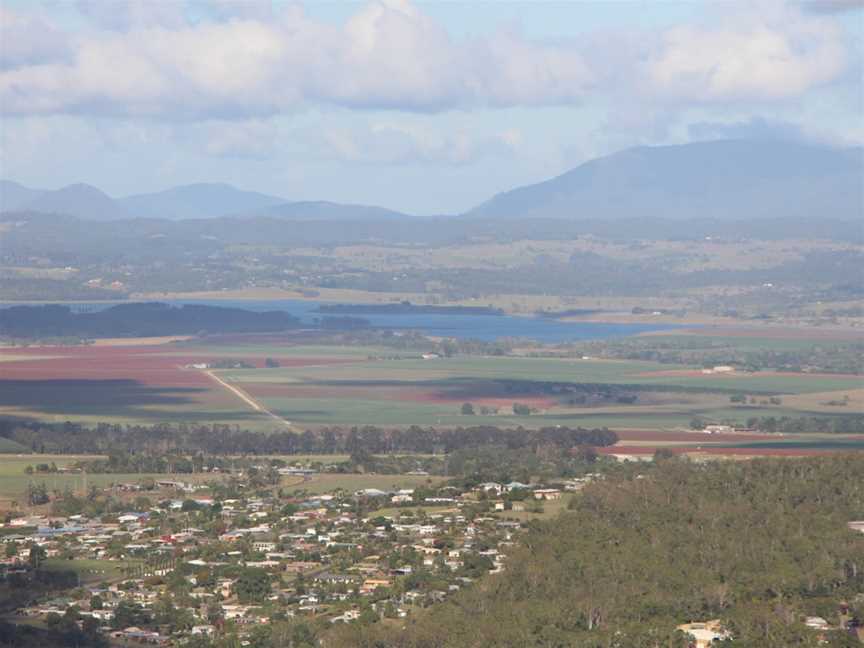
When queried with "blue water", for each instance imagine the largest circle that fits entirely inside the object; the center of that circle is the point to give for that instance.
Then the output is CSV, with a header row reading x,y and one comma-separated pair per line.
x,y
475,327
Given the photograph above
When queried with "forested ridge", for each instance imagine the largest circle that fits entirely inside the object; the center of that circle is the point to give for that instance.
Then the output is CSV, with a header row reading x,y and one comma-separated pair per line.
x,y
757,544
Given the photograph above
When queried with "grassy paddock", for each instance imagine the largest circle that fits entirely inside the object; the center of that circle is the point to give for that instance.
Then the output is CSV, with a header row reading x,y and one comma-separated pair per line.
x,y
326,482
14,479
89,571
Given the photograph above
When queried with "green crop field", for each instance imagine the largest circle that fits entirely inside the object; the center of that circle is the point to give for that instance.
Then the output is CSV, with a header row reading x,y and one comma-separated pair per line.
x,y
442,371
431,392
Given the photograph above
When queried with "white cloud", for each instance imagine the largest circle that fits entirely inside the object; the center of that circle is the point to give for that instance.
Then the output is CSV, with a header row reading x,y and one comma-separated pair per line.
x,y
254,138
762,128
401,143
123,15
388,55
772,53
230,60
28,40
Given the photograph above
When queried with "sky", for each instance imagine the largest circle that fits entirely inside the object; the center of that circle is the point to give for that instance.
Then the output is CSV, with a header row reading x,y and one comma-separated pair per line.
x,y
424,107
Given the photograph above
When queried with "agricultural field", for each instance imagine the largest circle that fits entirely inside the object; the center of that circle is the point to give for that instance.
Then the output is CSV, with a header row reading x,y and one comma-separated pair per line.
x,y
132,384
432,392
320,385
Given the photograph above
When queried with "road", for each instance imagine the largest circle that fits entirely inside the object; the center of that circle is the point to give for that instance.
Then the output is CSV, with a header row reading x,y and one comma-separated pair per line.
x,y
251,402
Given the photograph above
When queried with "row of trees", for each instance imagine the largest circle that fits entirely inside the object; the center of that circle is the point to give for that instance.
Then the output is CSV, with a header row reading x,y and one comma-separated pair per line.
x,y
162,439
845,424
827,357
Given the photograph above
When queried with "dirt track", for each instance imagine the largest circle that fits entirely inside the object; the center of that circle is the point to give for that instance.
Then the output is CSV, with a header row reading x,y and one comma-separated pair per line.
x,y
246,398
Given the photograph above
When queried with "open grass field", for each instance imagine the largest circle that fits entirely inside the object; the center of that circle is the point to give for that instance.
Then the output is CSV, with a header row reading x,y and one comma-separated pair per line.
x,y
551,509
89,571
13,487
327,482
14,478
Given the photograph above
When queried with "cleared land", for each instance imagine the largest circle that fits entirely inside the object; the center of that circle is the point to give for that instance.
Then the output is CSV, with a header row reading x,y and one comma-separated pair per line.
x,y
318,385
327,482
129,384
431,392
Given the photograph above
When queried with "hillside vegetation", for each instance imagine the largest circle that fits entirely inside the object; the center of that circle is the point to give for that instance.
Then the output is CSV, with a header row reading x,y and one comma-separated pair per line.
x,y
758,544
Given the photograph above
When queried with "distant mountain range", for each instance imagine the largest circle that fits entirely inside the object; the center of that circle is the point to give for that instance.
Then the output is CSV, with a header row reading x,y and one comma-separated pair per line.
x,y
724,180
203,200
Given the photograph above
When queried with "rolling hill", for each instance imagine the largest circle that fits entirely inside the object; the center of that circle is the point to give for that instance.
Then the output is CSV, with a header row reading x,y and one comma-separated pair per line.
x,y
81,200
14,195
195,201
203,200
723,180
327,211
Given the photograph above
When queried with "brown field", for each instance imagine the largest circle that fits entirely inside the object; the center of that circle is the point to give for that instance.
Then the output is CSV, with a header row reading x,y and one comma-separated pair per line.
x,y
134,382
818,401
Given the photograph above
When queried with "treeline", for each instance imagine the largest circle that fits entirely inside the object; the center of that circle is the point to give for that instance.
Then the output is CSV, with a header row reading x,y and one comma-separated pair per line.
x,y
15,287
138,320
846,357
759,545
843,424
72,438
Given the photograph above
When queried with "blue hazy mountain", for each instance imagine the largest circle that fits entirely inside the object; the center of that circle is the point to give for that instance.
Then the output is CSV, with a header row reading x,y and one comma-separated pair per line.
x,y
327,211
14,195
728,180
202,200
81,200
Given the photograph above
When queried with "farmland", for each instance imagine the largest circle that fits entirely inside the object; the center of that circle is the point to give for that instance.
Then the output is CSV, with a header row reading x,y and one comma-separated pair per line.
x,y
229,380
432,392
124,384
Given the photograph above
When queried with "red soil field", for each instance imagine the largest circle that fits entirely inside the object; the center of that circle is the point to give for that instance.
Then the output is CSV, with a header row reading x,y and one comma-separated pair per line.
x,y
143,364
149,365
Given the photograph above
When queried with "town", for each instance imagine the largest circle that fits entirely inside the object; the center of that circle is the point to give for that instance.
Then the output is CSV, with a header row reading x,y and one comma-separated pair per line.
x,y
170,562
